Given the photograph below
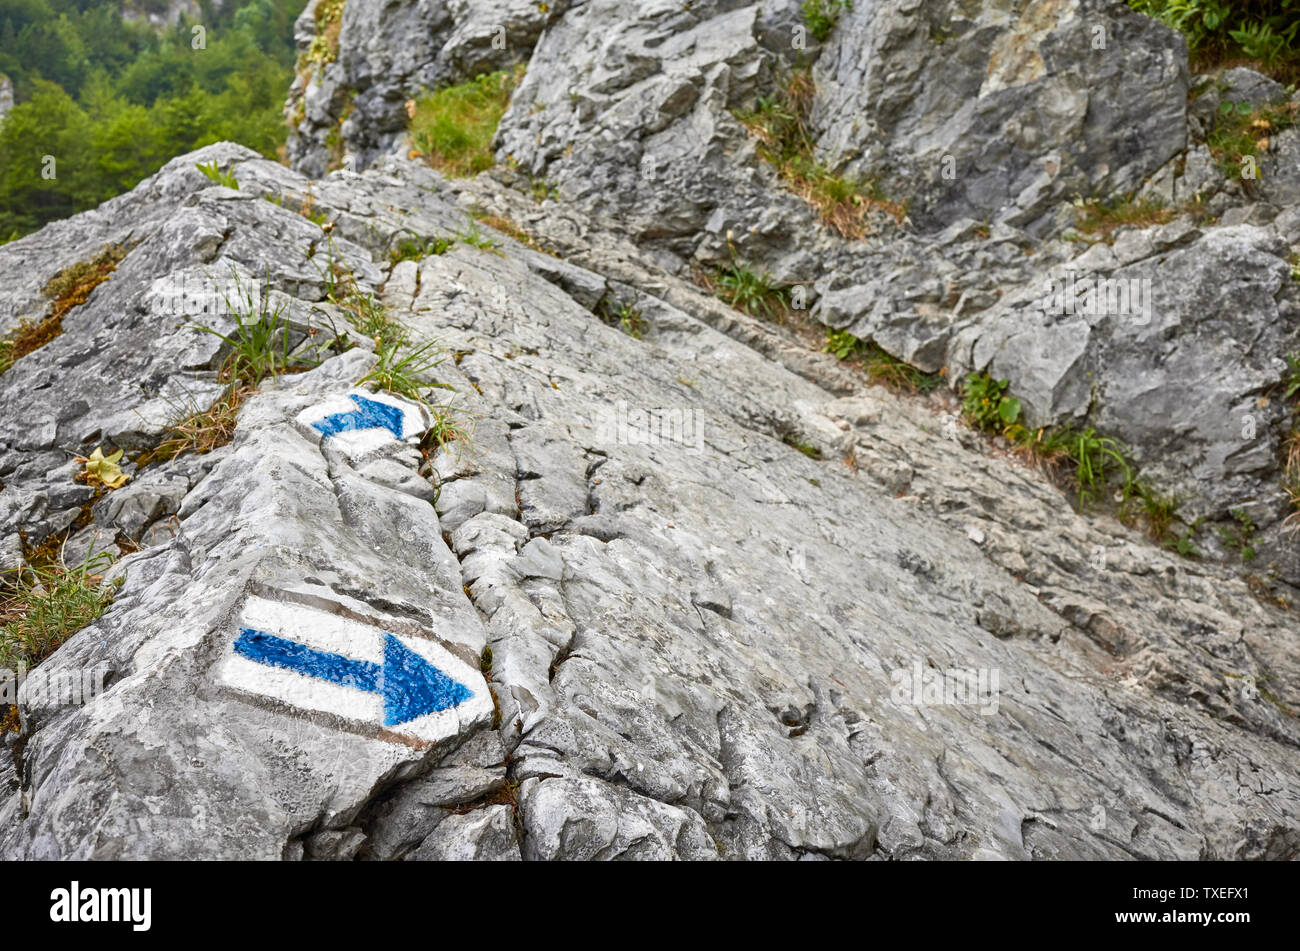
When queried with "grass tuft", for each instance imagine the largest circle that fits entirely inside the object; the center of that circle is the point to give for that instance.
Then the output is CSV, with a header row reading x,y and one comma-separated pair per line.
x,y
820,16
880,366
759,295
46,608
452,128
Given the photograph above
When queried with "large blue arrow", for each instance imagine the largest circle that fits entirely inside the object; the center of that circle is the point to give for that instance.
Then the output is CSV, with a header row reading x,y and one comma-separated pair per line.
x,y
369,414
410,685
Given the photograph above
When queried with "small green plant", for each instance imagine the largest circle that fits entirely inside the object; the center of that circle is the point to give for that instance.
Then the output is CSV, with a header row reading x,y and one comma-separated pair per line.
x,y
416,248
219,177
843,344
812,452
453,127
475,237
987,405
1093,457
822,15
49,605
259,344
400,372
1157,510
1240,536
1292,379
625,317
447,427
1241,130
758,295
541,190
1185,544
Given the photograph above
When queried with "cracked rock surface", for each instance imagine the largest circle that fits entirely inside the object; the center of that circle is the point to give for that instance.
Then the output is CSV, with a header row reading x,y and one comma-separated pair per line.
x,y
728,601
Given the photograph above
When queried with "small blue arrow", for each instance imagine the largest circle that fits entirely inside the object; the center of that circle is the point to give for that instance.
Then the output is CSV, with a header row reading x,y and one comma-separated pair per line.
x,y
410,685
369,414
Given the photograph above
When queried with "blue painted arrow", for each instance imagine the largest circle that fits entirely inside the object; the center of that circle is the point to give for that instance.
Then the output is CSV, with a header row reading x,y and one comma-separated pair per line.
x,y
369,414
410,685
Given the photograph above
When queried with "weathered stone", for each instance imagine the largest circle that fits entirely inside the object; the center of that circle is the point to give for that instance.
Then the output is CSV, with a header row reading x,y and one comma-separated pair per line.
x,y
668,631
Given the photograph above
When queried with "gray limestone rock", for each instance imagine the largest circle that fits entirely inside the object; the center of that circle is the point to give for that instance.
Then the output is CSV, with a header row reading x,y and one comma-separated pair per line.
x,y
702,593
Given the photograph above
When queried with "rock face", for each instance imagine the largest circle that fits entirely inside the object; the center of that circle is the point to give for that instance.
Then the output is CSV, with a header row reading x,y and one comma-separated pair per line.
x,y
999,111
697,591
387,51
704,643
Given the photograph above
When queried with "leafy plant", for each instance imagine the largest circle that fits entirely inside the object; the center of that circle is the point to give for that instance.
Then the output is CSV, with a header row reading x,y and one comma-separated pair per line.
x,y
103,469
217,176
329,23
415,248
843,344
1184,544
1223,30
987,405
630,321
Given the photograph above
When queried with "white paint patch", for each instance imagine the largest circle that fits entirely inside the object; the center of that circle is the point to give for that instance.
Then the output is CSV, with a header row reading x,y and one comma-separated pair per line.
x,y
323,631
360,444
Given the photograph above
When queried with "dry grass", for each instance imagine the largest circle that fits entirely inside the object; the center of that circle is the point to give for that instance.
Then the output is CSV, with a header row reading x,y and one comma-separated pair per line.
x,y
1291,479
70,288
508,227
780,123
201,430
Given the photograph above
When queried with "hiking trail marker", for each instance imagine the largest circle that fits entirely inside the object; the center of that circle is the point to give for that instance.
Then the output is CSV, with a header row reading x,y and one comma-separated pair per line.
x,y
410,688
361,423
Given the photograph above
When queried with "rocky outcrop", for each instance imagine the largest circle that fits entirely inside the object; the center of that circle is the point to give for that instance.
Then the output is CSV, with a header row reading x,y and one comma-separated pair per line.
x,y
704,643
695,590
999,112
349,108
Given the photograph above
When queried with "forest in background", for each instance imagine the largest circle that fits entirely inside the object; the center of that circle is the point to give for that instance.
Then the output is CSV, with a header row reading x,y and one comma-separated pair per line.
x,y
113,100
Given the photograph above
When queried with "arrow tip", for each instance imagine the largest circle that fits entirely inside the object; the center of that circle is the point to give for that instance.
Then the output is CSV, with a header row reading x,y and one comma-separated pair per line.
x,y
413,687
